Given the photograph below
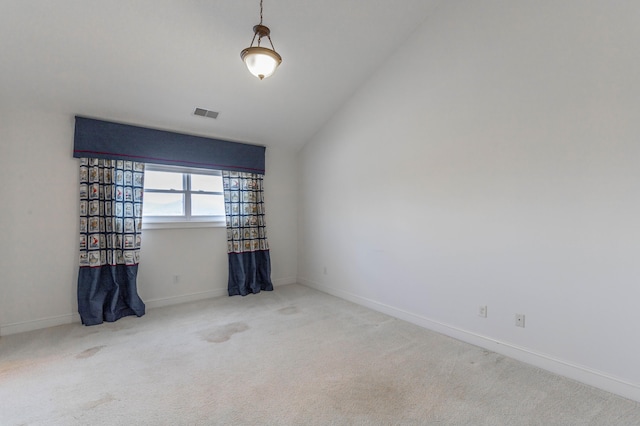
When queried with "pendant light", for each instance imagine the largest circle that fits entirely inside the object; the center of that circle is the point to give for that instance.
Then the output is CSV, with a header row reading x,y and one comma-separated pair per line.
x,y
261,61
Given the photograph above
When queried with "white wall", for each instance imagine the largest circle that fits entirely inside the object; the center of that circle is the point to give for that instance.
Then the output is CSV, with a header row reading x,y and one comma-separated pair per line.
x,y
38,227
493,160
39,230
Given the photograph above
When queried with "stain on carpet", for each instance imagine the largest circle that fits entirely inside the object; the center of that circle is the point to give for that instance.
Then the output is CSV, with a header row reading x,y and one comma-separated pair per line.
x,y
368,395
89,352
224,333
104,400
289,310
18,366
10,366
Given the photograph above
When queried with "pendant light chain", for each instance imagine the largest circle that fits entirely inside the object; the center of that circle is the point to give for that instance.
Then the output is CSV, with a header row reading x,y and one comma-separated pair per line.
x,y
260,12
268,35
260,38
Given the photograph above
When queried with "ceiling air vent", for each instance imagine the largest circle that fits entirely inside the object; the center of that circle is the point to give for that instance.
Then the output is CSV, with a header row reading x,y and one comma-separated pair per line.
x,y
205,113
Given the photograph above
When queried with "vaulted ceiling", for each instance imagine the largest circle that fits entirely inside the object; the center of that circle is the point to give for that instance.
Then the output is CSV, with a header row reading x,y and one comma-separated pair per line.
x,y
152,62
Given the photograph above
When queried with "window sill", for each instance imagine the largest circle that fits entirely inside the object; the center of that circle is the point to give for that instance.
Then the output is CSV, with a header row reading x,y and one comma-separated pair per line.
x,y
182,225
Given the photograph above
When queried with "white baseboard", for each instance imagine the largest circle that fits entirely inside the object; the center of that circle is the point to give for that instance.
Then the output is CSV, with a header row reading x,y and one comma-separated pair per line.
x,y
184,298
193,297
31,325
567,369
284,281
37,324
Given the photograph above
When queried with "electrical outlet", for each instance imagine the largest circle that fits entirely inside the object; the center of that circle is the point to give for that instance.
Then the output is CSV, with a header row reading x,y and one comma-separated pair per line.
x,y
482,311
520,320
176,279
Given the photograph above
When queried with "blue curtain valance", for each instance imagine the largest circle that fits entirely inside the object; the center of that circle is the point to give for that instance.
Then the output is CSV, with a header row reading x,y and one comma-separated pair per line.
x,y
104,139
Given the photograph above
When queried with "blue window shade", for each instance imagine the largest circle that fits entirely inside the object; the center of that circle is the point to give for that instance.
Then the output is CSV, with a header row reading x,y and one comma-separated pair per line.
x,y
104,139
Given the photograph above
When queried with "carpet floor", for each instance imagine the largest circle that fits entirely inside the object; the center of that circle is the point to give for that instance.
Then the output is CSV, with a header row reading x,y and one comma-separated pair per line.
x,y
294,356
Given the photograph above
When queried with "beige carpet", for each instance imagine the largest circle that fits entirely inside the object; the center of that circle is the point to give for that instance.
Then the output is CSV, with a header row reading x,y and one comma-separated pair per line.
x,y
292,356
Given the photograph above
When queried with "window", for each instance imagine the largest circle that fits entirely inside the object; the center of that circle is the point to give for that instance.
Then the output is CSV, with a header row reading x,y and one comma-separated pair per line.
x,y
182,196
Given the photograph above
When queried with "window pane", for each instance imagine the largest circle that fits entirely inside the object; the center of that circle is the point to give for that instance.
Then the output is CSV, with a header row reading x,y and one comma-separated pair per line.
x,y
158,204
162,180
206,205
206,183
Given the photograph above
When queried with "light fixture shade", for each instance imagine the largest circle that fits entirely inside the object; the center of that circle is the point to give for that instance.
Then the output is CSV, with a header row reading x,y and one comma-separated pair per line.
x,y
260,61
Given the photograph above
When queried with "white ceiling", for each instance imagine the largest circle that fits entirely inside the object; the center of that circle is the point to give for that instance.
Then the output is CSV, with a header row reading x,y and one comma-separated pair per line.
x,y
152,62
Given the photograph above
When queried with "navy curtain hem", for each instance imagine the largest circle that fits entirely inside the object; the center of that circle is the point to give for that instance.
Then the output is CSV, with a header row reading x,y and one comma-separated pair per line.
x,y
108,293
236,292
95,321
249,273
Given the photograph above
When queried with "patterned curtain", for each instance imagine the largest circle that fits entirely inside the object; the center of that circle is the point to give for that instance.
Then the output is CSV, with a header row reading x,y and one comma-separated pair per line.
x,y
247,246
110,228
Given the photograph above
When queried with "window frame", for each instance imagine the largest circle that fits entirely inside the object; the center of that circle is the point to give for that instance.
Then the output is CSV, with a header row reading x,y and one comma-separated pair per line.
x,y
186,220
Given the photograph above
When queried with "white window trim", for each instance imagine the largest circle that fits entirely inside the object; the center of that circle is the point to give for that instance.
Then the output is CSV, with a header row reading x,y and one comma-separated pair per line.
x,y
169,222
